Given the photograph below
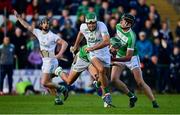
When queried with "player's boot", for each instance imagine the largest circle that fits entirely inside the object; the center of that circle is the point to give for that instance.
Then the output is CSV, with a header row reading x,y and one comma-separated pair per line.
x,y
155,104
64,91
132,101
58,101
97,87
107,101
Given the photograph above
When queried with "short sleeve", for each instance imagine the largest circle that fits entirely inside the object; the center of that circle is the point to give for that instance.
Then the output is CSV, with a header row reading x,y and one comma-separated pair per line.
x,y
131,41
56,37
82,28
36,32
103,29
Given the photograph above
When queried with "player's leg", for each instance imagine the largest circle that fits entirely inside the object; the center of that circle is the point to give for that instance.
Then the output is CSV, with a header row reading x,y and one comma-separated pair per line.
x,y
93,71
78,66
140,82
71,78
52,87
104,81
115,80
101,71
96,83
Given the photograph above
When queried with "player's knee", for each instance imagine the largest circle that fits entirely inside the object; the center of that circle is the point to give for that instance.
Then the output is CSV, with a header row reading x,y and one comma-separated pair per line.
x,y
141,84
68,82
101,69
113,80
43,83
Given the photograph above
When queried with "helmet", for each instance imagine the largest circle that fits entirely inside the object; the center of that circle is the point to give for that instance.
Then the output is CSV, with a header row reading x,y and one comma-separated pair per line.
x,y
115,42
129,18
90,17
43,20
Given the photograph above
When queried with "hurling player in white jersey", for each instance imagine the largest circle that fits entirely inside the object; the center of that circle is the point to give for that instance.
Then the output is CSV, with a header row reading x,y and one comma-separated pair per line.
x,y
97,38
48,42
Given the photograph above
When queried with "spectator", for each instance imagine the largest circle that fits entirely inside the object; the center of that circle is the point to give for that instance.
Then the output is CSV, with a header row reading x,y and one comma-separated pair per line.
x,y
7,26
142,12
48,5
17,24
136,26
105,12
166,35
148,29
55,28
112,27
83,8
34,18
178,29
20,47
163,66
5,4
20,5
64,16
79,21
32,7
7,54
175,68
69,35
156,16
97,7
144,46
34,59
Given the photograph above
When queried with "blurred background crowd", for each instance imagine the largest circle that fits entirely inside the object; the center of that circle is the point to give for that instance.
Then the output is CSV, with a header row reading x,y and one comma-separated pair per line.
x,y
157,44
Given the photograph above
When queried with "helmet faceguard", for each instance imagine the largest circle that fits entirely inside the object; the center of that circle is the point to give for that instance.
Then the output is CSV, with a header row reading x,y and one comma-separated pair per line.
x,y
91,17
91,20
129,19
43,21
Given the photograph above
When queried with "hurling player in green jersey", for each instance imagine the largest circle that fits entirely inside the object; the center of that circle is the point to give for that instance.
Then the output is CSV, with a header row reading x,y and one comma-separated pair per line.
x,y
127,56
80,64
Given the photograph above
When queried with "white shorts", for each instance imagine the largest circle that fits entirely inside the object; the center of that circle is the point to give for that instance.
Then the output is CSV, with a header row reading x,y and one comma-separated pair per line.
x,y
132,64
105,59
49,65
80,65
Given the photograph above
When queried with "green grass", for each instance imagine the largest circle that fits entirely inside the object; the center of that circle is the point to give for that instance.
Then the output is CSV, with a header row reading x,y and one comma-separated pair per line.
x,y
89,104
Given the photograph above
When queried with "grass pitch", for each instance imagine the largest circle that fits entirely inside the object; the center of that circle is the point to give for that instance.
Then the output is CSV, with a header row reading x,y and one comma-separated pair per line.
x,y
86,104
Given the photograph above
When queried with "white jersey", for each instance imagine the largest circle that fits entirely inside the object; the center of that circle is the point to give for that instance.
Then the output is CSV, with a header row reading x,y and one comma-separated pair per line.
x,y
96,37
47,41
47,46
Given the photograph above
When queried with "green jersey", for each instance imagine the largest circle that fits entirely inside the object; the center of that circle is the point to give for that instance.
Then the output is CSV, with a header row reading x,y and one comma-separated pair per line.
x,y
127,40
83,54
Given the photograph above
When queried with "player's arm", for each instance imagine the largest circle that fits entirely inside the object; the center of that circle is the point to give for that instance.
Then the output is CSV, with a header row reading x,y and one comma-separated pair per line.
x,y
77,42
128,56
24,23
130,50
103,44
63,45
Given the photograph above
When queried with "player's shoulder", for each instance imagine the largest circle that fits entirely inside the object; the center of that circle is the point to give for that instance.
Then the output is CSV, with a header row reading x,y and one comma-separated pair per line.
x,y
118,26
100,23
83,25
37,30
132,34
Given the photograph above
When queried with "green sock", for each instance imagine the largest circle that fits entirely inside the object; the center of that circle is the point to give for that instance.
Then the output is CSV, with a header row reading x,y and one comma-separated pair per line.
x,y
98,84
130,94
106,90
